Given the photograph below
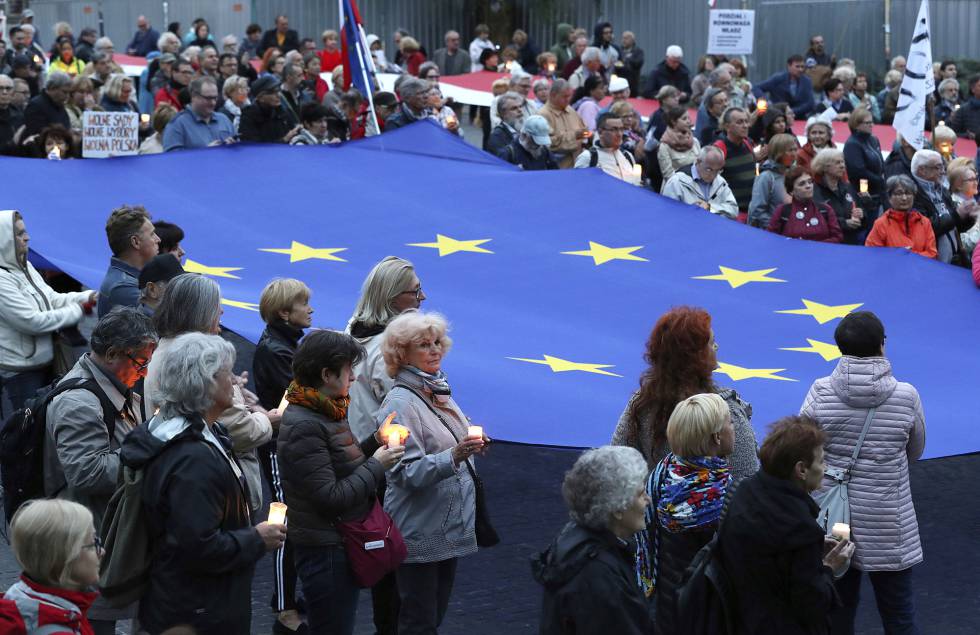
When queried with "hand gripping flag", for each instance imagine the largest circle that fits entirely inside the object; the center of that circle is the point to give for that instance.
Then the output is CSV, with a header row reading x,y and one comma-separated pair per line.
x,y
918,83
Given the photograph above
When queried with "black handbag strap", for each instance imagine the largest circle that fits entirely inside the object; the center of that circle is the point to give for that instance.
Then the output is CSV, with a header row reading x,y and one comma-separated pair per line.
x,y
864,433
441,420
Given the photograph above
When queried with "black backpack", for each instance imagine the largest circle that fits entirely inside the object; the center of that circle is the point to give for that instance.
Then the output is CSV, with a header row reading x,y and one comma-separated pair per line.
x,y
22,442
704,597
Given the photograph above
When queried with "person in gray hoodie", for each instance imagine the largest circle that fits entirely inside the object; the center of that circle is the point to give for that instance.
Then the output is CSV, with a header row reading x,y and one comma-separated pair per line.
x,y
769,191
30,313
883,523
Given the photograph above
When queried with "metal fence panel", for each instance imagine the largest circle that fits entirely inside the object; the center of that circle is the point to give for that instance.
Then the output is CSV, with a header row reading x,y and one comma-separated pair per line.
x,y
953,24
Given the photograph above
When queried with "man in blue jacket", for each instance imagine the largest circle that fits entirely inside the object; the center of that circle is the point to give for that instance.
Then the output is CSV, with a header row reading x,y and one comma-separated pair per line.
x,y
792,87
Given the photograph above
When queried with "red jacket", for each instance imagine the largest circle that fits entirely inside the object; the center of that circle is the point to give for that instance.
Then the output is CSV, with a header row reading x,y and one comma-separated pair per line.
x,y
27,606
167,95
329,60
807,220
909,229
413,62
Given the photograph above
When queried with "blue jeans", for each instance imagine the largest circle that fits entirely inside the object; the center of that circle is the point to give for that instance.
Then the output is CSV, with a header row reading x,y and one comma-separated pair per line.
x,y
893,594
329,589
22,387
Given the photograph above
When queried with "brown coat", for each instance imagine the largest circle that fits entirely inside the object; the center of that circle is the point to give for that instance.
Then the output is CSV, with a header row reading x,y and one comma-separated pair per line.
x,y
565,125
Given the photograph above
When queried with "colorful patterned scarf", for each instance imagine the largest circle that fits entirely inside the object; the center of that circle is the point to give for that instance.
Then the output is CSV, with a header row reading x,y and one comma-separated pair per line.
x,y
693,492
334,408
437,384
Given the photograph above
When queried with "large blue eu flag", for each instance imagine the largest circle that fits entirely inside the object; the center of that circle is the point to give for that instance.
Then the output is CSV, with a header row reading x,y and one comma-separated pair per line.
x,y
552,280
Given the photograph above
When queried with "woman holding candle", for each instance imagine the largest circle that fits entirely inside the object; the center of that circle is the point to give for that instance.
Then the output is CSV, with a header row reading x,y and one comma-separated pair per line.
x,y
900,225
862,154
831,188
803,217
431,494
285,308
771,544
327,477
688,488
682,352
587,572
883,523
203,546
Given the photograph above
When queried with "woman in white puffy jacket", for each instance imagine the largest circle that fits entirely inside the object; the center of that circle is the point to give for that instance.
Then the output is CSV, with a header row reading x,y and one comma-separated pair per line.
x,y
30,313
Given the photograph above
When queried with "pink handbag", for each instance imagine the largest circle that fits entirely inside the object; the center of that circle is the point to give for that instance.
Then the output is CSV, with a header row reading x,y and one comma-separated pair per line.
x,y
374,546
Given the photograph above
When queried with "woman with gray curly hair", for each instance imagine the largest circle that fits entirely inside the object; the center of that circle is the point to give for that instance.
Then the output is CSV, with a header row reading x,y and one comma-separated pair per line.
x,y
195,497
588,572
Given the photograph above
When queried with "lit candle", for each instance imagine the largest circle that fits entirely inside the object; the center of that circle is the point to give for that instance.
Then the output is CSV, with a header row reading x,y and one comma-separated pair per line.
x,y
942,123
637,171
863,185
762,105
450,120
55,152
551,67
509,66
277,513
394,439
946,149
475,432
283,403
613,77
841,531
587,134
145,118
757,169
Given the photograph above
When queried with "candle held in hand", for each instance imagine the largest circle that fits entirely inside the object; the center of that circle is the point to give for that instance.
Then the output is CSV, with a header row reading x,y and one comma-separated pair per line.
x,y
394,439
762,105
841,531
450,120
145,118
277,513
283,403
863,184
475,432
637,171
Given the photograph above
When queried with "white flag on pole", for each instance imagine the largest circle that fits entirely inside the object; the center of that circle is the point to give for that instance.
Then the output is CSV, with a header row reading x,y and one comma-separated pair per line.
x,y
918,83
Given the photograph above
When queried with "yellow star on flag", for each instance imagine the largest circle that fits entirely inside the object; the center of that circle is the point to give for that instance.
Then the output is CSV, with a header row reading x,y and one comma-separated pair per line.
x,y
298,252
559,365
829,352
738,373
248,306
447,245
737,277
192,266
823,313
602,254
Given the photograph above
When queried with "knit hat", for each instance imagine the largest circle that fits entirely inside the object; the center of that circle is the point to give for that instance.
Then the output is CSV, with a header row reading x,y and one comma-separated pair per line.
x,y
618,84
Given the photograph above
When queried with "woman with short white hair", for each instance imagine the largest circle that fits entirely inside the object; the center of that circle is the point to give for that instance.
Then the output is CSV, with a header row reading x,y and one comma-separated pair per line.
x,y
587,573
431,494
59,553
688,489
235,92
831,187
202,543
117,94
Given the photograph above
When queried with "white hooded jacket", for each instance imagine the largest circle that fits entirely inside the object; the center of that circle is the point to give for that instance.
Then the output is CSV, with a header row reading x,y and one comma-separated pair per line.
x,y
30,310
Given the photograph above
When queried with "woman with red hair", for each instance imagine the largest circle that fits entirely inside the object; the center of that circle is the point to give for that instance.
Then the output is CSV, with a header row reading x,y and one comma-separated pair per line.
x,y
681,353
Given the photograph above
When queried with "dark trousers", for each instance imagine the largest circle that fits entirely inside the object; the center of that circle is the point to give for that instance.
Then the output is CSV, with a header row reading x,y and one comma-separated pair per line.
x,y
22,387
283,567
329,589
384,595
893,594
103,627
424,589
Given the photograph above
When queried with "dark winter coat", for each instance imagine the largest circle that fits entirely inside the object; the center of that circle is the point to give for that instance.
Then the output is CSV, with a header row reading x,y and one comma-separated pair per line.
x,y
590,585
272,365
204,545
326,476
264,125
663,75
772,547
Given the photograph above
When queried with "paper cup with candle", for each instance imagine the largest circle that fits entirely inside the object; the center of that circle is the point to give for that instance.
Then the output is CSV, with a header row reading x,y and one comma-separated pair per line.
x,y
762,106
841,531
277,513
145,118
637,171
474,432
863,185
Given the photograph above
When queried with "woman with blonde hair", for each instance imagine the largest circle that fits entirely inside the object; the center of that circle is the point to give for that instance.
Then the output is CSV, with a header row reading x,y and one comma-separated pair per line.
x,y
81,97
412,54
431,494
117,94
159,120
688,490
285,308
235,92
59,553
962,174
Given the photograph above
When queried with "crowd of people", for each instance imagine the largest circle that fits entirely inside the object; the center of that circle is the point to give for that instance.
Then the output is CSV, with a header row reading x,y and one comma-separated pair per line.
x,y
716,141
348,425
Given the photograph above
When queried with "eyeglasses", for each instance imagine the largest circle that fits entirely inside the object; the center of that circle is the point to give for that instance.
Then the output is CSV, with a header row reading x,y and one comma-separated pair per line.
x,y
138,365
416,292
206,97
96,543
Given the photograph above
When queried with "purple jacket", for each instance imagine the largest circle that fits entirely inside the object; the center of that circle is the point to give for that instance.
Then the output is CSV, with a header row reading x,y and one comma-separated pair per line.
x,y
883,524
